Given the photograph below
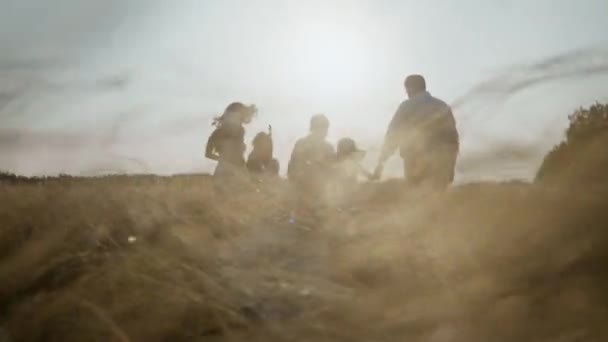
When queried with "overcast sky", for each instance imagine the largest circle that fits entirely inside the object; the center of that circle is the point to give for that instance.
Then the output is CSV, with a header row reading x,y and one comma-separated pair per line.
x,y
117,85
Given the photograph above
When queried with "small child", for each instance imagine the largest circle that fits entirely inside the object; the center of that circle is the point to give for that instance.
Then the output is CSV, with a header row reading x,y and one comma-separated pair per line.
x,y
347,171
260,160
348,165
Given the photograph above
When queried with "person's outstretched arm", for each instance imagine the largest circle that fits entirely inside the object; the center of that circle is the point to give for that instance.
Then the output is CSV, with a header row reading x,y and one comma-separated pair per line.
x,y
294,161
210,149
392,139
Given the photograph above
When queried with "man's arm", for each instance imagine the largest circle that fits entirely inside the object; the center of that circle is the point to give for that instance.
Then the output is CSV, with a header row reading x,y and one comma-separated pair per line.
x,y
292,165
392,140
450,128
393,136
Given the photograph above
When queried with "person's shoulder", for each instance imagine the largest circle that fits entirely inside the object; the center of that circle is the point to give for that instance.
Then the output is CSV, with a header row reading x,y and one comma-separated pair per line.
x,y
300,143
405,107
440,102
216,133
404,104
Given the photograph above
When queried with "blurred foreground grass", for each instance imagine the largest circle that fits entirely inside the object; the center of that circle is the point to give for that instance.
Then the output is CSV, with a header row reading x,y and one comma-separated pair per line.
x,y
167,261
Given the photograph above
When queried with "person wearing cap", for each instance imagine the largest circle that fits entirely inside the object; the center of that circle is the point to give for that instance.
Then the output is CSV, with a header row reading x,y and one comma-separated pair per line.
x,y
349,157
424,129
310,163
346,172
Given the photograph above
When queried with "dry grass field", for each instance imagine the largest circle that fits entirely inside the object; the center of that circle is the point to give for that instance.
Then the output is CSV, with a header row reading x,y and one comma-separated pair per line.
x,y
120,260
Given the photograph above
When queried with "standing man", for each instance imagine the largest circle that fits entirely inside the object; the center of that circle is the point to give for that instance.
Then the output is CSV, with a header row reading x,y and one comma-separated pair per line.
x,y
309,166
424,130
312,156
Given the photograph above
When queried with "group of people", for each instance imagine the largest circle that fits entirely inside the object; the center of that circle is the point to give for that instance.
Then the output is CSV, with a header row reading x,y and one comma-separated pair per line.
x,y
423,129
226,145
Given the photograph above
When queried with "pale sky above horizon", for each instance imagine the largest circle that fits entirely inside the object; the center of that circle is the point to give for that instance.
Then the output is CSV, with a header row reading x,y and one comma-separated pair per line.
x,y
132,85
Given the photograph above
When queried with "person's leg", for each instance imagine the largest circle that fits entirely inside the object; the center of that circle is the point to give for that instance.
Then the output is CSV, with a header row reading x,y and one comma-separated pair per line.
x,y
443,168
417,170
219,181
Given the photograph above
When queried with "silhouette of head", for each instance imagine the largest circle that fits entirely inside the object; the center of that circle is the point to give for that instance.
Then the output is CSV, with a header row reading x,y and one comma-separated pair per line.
x,y
237,112
347,148
319,125
415,84
262,144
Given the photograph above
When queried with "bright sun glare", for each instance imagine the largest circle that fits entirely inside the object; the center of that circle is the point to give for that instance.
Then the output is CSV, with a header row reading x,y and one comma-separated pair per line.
x,y
332,57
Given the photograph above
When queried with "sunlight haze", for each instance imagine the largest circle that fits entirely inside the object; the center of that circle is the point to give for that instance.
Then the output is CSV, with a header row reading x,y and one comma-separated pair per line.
x,y
132,86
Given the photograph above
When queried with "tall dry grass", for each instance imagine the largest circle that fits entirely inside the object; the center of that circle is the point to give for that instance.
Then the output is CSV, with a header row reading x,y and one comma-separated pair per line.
x,y
482,262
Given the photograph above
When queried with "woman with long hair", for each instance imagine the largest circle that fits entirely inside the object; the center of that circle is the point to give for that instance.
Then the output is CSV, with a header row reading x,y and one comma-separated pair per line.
x,y
226,144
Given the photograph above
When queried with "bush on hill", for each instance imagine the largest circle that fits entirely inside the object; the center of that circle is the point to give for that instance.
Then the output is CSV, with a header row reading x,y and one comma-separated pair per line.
x,y
582,155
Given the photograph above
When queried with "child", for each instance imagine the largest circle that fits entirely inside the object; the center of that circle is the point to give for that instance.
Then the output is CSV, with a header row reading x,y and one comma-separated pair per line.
x,y
347,171
260,160
348,166
310,163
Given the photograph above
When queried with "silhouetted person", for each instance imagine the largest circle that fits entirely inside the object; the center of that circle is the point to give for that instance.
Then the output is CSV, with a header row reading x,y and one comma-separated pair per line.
x,y
274,167
260,160
346,172
226,144
425,131
348,167
310,164
312,156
